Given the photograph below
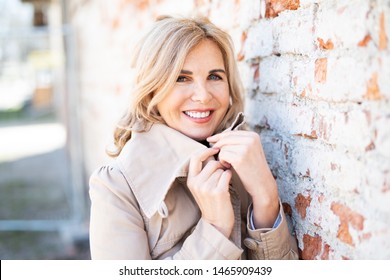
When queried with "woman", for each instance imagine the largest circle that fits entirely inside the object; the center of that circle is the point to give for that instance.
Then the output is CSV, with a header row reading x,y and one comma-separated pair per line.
x,y
187,183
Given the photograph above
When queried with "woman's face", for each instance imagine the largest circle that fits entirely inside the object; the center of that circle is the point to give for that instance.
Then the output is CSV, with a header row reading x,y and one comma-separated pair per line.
x,y
200,99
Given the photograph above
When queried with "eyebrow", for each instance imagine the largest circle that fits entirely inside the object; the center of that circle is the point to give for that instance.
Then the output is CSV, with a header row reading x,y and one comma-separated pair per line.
x,y
211,71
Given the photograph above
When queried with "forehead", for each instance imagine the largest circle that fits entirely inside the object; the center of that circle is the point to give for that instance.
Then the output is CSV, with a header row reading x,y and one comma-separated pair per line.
x,y
207,54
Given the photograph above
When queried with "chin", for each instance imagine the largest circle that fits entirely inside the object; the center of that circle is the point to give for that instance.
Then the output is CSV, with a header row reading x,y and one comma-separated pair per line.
x,y
197,136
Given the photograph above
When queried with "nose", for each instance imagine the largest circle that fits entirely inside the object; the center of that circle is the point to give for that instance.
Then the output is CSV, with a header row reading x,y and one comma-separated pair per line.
x,y
201,93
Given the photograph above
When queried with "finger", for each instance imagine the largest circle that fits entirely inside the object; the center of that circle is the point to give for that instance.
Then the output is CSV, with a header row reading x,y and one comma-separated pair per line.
x,y
225,164
209,169
229,156
214,184
226,135
216,137
236,138
224,180
196,161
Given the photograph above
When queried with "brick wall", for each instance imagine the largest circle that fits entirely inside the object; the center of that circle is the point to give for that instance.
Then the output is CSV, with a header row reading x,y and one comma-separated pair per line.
x,y
317,78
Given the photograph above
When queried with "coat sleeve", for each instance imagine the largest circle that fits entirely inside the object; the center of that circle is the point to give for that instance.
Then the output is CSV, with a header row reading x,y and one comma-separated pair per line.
x,y
116,225
272,244
117,229
207,243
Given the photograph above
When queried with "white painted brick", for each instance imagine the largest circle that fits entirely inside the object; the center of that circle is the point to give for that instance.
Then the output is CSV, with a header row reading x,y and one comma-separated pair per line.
x,y
319,213
373,245
382,143
302,74
259,42
275,75
247,73
293,32
223,13
348,129
249,12
326,166
280,117
384,73
276,152
185,8
375,186
309,3
346,78
343,22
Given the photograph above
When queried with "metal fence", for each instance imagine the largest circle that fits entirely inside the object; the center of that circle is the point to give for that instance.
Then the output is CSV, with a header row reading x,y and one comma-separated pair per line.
x,y
38,76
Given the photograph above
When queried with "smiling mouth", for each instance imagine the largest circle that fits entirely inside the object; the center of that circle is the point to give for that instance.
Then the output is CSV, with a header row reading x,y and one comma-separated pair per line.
x,y
197,114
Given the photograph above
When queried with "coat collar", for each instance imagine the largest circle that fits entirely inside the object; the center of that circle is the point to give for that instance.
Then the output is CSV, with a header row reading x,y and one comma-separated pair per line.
x,y
152,160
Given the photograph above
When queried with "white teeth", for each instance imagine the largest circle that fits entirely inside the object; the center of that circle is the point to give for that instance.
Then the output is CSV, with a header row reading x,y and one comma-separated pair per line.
x,y
197,115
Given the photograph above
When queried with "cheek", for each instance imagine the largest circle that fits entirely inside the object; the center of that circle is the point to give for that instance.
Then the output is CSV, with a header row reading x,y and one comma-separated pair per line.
x,y
170,103
163,108
223,96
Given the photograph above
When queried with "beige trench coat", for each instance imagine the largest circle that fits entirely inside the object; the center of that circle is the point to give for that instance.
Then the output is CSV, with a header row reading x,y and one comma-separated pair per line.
x,y
142,209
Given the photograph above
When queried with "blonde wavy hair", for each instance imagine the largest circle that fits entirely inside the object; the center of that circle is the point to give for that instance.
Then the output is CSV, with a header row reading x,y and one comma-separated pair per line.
x,y
158,59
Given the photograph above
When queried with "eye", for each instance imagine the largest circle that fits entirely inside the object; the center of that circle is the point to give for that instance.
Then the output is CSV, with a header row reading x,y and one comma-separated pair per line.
x,y
214,77
182,79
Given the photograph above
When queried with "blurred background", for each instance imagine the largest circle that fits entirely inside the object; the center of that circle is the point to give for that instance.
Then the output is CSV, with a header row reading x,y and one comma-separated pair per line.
x,y
43,206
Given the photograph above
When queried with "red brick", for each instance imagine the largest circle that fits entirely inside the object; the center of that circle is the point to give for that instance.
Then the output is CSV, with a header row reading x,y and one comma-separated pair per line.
x,y
325,46
364,42
301,204
311,246
347,217
325,253
382,33
141,4
287,208
373,92
274,7
241,53
321,66
115,23
343,234
313,135
346,214
370,147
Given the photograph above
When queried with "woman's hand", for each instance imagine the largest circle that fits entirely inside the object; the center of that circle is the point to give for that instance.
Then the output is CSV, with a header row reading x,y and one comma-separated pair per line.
x,y
208,182
243,151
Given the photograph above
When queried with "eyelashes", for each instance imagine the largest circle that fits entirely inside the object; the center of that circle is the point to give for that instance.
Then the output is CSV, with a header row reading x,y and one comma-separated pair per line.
x,y
212,77
181,79
215,77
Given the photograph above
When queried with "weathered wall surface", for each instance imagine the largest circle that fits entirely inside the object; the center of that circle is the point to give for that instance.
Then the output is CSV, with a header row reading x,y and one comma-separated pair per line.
x,y
317,77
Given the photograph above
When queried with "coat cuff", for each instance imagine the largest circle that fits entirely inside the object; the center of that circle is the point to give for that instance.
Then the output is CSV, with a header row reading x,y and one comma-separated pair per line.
x,y
269,243
207,243
252,224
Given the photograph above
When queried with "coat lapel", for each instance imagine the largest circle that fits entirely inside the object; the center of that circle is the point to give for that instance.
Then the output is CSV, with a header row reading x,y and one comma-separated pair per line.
x,y
152,160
